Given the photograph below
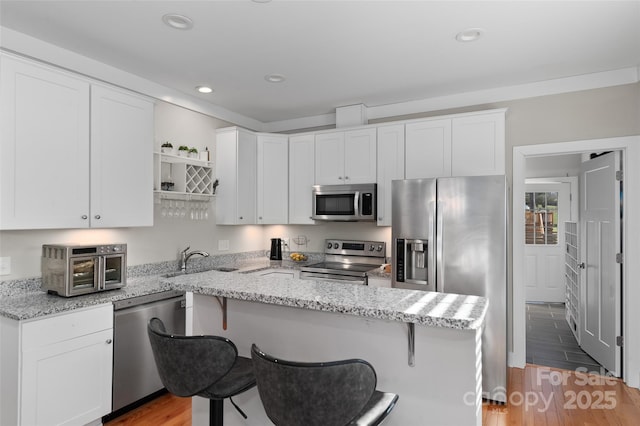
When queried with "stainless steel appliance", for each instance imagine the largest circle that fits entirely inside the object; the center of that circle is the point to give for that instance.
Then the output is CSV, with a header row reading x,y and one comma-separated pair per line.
x,y
347,261
450,235
344,202
73,270
134,369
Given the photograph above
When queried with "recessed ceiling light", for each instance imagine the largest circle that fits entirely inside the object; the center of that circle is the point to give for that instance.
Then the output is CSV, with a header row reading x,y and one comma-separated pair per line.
x,y
204,89
470,34
179,22
275,78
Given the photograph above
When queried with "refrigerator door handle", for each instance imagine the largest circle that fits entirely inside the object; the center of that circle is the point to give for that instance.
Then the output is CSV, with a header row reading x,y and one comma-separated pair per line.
x,y
439,273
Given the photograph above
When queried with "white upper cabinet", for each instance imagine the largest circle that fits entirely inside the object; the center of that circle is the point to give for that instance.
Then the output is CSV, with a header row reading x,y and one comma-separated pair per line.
x,y
273,179
428,149
44,150
59,134
236,159
346,157
301,178
478,145
390,167
466,145
121,159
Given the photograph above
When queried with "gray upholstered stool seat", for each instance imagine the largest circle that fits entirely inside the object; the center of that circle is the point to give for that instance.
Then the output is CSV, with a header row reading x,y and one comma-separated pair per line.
x,y
336,393
206,366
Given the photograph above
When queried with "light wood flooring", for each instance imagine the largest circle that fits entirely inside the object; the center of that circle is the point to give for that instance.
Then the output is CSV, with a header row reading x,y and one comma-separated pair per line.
x,y
538,396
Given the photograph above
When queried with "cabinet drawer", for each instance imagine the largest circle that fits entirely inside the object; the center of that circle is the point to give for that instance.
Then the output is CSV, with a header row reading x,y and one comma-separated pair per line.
x,y
58,328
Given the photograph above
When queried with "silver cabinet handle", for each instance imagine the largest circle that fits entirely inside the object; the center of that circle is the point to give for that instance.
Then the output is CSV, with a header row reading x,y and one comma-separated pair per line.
x,y
260,217
85,217
346,177
340,177
240,217
109,341
380,218
97,216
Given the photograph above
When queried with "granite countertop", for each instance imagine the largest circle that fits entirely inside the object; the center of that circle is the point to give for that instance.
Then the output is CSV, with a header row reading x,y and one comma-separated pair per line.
x,y
414,306
25,300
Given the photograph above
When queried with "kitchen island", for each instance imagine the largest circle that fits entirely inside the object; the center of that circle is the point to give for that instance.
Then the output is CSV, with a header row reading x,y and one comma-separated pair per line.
x,y
299,320
424,346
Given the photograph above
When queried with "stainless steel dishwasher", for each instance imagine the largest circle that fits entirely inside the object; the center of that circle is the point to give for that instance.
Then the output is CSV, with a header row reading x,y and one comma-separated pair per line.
x,y
134,369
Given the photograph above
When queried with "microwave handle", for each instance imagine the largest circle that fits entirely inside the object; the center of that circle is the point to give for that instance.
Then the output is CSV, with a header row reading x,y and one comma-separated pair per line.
x,y
356,202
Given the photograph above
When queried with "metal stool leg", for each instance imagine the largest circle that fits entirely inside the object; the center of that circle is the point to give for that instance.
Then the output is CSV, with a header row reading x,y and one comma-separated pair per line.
x,y
216,412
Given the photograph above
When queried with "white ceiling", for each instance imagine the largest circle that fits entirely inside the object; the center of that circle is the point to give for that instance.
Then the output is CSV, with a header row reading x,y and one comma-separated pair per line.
x,y
337,53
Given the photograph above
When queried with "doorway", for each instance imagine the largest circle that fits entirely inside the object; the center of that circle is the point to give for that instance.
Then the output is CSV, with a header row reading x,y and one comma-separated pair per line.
x,y
630,146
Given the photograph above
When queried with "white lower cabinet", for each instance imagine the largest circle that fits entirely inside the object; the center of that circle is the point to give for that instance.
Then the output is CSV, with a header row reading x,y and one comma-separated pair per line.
x,y
60,366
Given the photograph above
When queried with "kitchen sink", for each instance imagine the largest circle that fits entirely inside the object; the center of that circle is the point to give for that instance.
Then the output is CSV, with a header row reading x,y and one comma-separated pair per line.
x,y
219,268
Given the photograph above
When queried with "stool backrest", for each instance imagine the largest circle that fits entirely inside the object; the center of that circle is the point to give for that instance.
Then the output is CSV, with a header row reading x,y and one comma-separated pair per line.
x,y
189,364
310,394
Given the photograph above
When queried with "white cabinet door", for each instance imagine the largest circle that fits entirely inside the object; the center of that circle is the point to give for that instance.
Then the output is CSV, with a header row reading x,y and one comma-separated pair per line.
x,y
236,160
390,167
44,147
121,159
428,149
478,145
273,179
329,158
360,156
68,383
301,178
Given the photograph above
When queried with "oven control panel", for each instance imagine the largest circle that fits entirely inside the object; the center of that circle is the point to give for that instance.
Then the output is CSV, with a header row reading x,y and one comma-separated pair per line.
x,y
356,248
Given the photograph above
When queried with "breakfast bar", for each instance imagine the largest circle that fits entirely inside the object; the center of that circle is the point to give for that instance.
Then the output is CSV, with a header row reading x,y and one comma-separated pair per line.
x,y
415,340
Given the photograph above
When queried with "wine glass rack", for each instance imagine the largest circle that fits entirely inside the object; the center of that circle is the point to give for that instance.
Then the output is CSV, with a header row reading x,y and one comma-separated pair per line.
x,y
182,178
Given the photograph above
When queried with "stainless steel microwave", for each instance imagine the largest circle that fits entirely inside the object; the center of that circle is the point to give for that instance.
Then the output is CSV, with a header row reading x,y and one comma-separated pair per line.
x,y
344,202
73,270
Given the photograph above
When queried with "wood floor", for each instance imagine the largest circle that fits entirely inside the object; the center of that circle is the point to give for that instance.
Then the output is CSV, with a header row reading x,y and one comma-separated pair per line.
x,y
538,396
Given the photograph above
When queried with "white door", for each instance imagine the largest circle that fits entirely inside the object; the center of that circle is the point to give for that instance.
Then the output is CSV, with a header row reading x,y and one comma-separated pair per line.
x,y
360,156
273,179
601,276
547,207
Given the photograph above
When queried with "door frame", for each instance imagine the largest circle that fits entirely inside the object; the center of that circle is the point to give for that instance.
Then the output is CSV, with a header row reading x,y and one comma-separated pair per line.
x,y
630,146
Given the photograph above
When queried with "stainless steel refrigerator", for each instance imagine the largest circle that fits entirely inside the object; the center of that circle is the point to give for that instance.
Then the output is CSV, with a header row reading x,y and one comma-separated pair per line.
x,y
450,235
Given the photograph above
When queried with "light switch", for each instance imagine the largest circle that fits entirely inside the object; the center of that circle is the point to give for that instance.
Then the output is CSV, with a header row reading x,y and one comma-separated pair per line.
x,y
223,245
5,265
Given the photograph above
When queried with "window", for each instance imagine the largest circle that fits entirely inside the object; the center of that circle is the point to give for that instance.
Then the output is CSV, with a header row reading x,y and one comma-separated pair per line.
x,y
541,218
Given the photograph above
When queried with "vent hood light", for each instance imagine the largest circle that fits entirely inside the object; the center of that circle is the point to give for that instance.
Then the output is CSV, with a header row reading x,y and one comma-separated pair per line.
x,y
204,89
470,34
275,78
179,22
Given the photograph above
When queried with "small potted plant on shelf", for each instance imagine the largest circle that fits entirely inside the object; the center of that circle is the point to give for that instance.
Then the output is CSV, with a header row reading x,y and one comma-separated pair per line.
x,y
193,153
166,148
183,151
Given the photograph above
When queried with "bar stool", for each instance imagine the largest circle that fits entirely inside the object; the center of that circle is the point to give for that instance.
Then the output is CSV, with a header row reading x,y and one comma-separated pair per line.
x,y
333,393
206,366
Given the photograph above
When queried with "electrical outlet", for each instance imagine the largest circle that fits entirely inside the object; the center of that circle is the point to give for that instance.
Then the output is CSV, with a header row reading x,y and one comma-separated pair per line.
x,y
5,265
223,245
286,246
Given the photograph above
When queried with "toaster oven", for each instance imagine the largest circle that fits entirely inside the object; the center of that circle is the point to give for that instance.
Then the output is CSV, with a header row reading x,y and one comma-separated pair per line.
x,y
73,270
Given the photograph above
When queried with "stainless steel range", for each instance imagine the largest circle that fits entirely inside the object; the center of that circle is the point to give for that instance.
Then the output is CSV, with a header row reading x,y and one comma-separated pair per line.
x,y
347,261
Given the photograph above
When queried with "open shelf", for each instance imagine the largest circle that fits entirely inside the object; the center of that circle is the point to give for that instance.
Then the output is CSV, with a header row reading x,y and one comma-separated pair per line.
x,y
192,178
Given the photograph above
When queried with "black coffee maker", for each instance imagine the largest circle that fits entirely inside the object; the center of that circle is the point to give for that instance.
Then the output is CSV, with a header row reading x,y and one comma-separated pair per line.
x,y
276,249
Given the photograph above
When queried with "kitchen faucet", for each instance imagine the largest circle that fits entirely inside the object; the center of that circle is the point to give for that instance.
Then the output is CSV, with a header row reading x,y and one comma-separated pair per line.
x,y
186,254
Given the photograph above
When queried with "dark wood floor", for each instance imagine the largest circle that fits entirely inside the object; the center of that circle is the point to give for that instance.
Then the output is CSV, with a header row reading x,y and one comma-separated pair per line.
x,y
551,342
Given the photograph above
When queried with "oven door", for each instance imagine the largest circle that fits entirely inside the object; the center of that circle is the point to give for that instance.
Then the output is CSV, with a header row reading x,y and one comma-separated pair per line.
x,y
115,271
84,275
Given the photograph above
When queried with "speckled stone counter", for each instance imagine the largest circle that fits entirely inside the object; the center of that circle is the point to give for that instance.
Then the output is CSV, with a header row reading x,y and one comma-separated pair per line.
x,y
24,300
411,306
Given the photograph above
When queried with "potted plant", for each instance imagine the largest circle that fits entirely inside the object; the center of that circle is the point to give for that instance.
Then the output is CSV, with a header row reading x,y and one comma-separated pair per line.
x,y
193,153
166,148
183,151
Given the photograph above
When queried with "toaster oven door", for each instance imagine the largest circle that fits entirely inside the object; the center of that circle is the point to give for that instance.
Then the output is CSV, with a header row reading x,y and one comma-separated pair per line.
x,y
84,275
115,271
